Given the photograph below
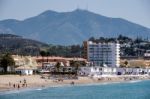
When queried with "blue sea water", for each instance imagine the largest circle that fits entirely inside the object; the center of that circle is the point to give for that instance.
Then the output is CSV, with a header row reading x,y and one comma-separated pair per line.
x,y
129,90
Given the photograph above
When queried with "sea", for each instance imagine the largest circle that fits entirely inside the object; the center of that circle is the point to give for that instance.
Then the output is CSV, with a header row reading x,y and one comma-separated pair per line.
x,y
126,90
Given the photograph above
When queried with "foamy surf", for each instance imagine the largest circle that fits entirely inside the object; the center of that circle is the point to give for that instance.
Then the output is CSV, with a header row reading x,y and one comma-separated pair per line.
x,y
15,91
134,81
39,89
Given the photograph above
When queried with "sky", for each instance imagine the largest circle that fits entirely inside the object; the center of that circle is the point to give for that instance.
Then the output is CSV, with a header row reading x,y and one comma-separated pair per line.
x,y
137,11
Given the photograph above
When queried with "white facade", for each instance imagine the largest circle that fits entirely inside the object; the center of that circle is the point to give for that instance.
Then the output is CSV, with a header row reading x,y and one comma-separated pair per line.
x,y
111,71
147,54
25,71
98,71
64,69
103,54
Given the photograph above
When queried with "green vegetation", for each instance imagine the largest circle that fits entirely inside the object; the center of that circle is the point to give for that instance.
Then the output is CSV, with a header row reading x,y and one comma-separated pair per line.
x,y
129,47
66,51
17,45
5,61
57,67
126,63
76,64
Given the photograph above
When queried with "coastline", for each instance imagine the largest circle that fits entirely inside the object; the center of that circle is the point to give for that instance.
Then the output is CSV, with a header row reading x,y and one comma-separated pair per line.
x,y
35,82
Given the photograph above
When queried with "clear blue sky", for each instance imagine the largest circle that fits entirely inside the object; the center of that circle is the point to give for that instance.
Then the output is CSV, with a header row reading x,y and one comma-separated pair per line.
x,y
137,11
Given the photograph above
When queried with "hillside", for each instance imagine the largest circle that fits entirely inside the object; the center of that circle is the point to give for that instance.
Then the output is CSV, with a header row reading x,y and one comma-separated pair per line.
x,y
67,28
16,44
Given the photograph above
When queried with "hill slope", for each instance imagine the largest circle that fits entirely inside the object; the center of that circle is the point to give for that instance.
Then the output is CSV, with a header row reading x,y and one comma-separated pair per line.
x,y
16,44
71,27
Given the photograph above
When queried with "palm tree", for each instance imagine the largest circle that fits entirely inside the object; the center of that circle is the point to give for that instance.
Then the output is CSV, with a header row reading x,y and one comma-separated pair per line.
x,y
57,66
75,64
6,60
47,54
42,53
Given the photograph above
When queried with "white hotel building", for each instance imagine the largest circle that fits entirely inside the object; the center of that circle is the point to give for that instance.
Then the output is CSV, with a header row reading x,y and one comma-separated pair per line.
x,y
102,54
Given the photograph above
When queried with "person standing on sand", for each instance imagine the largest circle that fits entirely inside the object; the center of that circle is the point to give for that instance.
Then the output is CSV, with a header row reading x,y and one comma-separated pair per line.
x,y
9,84
18,86
22,85
24,81
14,85
72,83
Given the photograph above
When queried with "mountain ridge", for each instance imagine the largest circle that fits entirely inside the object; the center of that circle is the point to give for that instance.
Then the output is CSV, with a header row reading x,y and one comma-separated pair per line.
x,y
66,28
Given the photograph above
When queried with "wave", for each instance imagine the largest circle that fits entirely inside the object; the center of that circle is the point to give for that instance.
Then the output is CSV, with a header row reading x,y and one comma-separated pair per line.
x,y
134,81
16,91
11,92
39,89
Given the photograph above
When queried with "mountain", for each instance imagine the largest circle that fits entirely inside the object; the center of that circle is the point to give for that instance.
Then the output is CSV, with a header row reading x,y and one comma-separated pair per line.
x,y
68,28
16,44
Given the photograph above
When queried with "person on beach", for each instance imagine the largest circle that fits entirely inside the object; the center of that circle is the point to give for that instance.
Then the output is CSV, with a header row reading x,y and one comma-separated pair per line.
x,y
24,81
14,85
23,85
9,84
72,83
18,86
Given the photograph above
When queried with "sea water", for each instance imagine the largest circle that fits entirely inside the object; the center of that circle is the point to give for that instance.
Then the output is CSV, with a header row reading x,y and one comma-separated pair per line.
x,y
129,90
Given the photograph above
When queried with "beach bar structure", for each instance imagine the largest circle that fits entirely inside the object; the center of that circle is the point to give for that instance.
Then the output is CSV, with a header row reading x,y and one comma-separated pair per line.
x,y
112,71
97,71
25,70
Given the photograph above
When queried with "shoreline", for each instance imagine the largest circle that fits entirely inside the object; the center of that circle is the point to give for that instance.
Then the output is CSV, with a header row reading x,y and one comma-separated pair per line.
x,y
64,85
38,83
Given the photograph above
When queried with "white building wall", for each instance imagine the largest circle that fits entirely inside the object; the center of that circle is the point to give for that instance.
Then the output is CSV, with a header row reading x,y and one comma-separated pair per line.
x,y
104,53
26,72
110,71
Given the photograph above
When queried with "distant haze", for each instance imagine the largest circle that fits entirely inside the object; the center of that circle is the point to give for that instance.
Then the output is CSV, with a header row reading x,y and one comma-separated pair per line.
x,y
137,11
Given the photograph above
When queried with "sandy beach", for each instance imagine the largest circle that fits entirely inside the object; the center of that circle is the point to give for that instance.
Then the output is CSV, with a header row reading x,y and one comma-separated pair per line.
x,y
7,81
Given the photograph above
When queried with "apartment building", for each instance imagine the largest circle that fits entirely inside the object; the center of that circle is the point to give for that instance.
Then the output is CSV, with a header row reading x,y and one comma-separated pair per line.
x,y
102,54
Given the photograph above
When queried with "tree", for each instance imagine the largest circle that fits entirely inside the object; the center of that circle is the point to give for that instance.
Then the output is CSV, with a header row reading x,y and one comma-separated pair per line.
x,y
47,55
6,61
91,39
42,53
124,39
138,40
83,63
57,66
126,63
75,64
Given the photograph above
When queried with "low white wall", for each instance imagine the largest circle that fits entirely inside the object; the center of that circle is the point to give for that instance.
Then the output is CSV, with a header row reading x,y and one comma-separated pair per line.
x,y
108,71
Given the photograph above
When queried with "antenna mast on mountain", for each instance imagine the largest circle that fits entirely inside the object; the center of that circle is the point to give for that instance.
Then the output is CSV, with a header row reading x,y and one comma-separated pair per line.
x,y
87,6
78,7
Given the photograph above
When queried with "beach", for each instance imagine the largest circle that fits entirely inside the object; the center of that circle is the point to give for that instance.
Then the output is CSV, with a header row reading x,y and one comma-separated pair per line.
x,y
36,81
